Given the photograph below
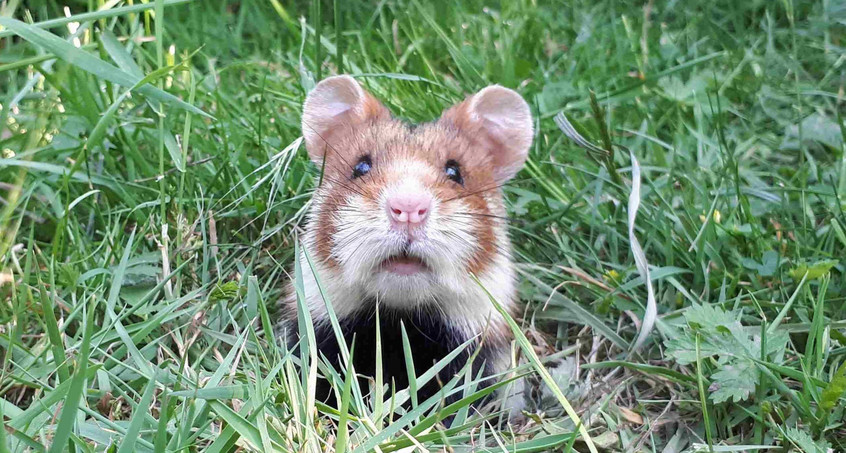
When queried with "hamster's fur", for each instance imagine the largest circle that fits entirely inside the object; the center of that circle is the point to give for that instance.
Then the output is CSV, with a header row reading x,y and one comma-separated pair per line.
x,y
404,217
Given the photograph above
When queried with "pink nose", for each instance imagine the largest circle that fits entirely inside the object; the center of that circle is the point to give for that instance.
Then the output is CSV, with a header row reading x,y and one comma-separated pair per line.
x,y
409,209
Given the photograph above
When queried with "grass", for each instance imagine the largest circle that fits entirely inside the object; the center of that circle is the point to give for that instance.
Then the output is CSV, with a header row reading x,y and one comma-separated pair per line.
x,y
153,185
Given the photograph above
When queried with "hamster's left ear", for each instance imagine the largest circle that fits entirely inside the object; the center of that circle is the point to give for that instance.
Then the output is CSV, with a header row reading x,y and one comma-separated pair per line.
x,y
334,109
501,121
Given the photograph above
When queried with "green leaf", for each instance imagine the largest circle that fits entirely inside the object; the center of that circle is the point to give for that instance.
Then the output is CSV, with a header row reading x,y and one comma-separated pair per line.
x,y
834,390
805,442
733,382
225,291
683,349
814,271
769,263
707,317
735,348
99,131
721,332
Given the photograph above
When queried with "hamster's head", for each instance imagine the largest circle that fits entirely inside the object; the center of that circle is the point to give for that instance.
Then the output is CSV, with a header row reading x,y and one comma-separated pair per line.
x,y
407,213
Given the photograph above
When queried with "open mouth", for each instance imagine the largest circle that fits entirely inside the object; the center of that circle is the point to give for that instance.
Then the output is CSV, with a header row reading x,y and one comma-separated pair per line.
x,y
404,264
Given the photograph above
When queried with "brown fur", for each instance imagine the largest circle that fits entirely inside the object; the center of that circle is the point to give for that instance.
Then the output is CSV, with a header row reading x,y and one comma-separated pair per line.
x,y
433,143
487,134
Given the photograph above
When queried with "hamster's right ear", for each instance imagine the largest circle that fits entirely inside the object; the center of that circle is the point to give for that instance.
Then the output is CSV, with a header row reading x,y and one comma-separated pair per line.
x,y
502,123
335,107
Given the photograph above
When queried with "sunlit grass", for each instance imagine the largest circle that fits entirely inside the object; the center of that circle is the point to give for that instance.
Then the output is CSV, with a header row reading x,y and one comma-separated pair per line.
x,y
153,186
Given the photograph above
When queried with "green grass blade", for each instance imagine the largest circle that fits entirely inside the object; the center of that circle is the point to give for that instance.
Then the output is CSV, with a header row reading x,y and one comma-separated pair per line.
x,y
308,343
786,309
99,131
529,351
43,404
4,440
78,176
245,429
378,395
162,438
132,433
343,435
52,325
336,327
646,369
89,63
33,444
224,392
432,372
114,292
95,15
76,390
464,402
174,150
120,55
409,366
584,316
467,68
703,398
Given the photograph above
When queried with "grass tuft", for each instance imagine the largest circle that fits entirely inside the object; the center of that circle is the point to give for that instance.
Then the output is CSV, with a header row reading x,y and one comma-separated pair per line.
x,y
153,187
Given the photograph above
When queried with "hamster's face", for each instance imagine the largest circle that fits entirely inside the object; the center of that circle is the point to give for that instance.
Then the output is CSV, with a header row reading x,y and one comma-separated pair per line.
x,y
407,213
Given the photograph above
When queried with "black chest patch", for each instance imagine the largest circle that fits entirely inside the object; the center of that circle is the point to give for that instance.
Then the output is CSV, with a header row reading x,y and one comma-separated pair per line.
x,y
430,337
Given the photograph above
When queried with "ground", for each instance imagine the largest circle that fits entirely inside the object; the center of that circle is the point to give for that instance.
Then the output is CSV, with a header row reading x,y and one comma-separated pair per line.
x,y
147,227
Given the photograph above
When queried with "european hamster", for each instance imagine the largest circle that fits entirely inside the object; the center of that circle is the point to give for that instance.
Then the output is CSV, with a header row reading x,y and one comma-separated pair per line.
x,y
404,216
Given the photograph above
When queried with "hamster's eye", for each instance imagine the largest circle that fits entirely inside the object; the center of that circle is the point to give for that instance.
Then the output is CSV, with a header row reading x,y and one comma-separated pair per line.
x,y
362,167
452,172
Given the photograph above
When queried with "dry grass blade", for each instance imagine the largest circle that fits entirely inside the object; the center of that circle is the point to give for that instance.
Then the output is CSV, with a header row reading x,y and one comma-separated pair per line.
x,y
651,313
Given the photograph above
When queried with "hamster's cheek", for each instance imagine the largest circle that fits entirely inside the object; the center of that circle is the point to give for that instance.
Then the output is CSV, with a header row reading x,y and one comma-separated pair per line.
x,y
360,242
450,240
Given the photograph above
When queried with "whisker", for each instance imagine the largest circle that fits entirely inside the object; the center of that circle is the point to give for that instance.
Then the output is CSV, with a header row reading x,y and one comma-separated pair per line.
x,y
482,214
485,189
500,249
344,184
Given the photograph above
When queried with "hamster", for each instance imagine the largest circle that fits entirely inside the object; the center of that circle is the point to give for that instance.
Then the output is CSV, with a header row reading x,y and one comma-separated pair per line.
x,y
404,217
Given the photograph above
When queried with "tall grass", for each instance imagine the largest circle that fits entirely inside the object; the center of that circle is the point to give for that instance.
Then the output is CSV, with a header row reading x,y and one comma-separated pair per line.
x,y
153,186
